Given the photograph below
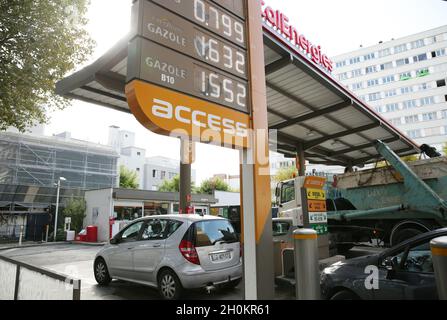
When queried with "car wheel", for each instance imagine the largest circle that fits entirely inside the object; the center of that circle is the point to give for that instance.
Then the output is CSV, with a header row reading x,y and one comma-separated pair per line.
x,y
231,284
403,235
101,272
169,285
345,295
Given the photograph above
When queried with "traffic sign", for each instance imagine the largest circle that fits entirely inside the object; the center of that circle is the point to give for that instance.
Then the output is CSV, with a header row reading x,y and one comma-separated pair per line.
x,y
314,182
316,206
316,194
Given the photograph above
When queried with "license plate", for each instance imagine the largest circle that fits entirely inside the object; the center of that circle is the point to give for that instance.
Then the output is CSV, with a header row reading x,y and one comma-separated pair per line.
x,y
218,257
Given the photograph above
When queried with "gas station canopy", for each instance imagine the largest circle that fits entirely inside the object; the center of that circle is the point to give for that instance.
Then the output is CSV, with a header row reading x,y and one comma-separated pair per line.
x,y
309,109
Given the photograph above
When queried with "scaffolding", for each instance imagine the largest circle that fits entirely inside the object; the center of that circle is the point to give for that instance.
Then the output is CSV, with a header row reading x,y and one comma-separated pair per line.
x,y
40,161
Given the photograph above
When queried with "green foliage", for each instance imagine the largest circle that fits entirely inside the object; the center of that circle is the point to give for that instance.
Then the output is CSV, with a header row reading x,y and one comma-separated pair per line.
x,y
75,209
286,174
445,149
213,184
40,42
128,178
172,185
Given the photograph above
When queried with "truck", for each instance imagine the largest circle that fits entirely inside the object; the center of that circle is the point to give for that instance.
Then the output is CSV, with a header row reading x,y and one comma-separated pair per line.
x,y
383,205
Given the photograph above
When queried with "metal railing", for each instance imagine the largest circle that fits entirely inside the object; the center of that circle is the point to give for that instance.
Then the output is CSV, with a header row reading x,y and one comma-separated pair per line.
x,y
23,281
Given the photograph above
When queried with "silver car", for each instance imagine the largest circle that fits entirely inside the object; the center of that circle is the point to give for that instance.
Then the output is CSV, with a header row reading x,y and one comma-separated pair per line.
x,y
173,253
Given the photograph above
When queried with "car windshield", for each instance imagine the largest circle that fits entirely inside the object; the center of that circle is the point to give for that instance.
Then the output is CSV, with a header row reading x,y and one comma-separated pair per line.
x,y
209,233
281,228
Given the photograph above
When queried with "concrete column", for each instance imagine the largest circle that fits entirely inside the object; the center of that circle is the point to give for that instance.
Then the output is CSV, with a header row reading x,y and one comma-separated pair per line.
x,y
439,253
300,160
187,158
307,272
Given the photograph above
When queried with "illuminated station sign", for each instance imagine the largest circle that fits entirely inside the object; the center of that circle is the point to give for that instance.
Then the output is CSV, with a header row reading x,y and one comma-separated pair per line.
x,y
193,51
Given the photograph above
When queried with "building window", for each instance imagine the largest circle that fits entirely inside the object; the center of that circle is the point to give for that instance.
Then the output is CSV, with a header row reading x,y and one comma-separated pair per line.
x,y
375,96
444,114
357,86
414,134
138,170
356,73
445,97
163,175
384,52
400,48
392,107
412,119
432,132
429,116
422,73
409,104
138,153
388,79
390,93
396,121
343,76
405,76
440,83
406,90
369,56
154,173
340,64
419,58
402,62
371,69
423,87
378,109
438,53
427,101
417,44
372,83
385,66
354,60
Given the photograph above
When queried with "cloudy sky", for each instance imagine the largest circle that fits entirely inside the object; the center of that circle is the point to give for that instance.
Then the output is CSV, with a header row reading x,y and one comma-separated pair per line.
x,y
338,26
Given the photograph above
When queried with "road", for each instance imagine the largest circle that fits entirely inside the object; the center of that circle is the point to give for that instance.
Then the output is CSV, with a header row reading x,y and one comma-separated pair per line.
x,y
77,261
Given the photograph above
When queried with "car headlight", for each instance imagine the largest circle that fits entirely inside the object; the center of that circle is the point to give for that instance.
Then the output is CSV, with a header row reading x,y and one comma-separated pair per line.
x,y
333,268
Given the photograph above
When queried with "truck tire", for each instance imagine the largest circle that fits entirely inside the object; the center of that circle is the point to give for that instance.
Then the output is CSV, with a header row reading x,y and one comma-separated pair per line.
x,y
405,231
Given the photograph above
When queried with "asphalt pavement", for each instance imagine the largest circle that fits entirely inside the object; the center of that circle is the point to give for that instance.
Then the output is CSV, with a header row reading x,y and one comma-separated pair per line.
x,y
77,261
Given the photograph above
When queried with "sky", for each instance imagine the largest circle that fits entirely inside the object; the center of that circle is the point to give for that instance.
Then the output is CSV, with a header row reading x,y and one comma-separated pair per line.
x,y
338,26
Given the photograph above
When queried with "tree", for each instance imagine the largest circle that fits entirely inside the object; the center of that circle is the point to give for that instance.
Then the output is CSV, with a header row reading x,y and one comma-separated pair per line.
x,y
173,185
75,209
445,149
128,178
213,184
40,42
284,174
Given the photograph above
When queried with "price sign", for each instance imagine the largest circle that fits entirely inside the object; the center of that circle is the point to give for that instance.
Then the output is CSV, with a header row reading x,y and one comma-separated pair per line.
x,y
166,28
211,16
194,49
159,65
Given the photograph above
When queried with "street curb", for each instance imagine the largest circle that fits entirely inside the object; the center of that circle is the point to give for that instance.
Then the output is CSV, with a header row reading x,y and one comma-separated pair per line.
x,y
92,244
34,245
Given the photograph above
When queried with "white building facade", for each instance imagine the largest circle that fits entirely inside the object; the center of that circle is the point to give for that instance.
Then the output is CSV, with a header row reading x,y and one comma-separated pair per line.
x,y
405,81
151,171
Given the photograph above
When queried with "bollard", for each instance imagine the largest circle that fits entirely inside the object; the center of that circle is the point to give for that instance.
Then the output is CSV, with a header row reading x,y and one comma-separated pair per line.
x,y
21,235
46,234
439,253
307,272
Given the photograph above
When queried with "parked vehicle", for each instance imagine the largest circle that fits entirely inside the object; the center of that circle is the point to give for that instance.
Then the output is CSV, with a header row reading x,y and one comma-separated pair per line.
x,y
173,253
385,205
405,273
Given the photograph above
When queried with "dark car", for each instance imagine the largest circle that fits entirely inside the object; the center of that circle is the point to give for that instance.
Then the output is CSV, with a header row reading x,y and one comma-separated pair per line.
x,y
404,272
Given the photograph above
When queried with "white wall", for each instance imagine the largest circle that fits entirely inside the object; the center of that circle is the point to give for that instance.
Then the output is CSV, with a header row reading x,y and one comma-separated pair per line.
x,y
99,201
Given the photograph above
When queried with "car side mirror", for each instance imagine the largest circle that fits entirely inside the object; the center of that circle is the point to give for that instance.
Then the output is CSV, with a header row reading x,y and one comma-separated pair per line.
x,y
388,263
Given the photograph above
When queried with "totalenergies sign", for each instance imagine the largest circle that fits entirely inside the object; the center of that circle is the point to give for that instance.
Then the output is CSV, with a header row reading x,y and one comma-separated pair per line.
x,y
167,112
280,21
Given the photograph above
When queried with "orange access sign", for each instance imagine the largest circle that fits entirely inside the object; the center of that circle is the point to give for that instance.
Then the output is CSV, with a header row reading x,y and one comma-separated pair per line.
x,y
314,183
316,206
171,113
